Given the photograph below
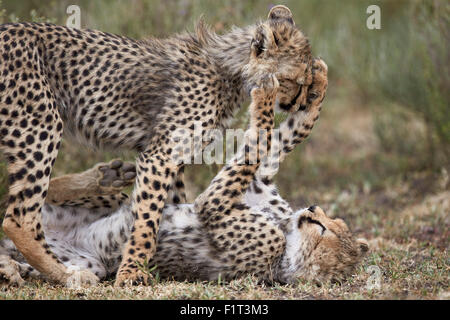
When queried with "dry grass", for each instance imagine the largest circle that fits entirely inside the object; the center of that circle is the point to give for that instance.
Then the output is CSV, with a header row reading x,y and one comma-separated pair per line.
x,y
408,271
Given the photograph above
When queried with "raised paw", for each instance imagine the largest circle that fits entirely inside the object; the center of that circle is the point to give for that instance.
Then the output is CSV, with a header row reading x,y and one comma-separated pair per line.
x,y
80,278
9,272
115,175
320,80
127,278
319,66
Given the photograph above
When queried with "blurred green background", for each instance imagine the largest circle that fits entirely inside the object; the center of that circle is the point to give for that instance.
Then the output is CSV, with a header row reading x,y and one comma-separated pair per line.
x,y
386,118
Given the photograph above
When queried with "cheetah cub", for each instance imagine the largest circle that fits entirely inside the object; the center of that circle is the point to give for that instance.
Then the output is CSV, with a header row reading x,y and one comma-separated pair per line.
x,y
239,225
110,91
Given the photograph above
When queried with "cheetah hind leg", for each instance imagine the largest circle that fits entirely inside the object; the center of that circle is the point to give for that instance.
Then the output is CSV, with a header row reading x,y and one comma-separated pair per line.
x,y
29,170
98,187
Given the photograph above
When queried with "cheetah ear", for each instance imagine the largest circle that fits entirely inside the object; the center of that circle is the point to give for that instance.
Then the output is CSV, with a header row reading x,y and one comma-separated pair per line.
x,y
262,41
363,246
281,12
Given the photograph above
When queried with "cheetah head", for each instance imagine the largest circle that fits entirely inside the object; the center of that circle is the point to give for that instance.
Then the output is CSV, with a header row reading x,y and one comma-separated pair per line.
x,y
279,47
321,249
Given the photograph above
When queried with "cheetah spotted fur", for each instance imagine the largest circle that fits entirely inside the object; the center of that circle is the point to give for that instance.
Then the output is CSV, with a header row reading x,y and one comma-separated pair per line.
x,y
239,225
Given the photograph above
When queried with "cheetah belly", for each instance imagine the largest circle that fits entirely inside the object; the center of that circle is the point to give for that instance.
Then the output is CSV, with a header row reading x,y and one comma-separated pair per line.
x,y
183,250
86,235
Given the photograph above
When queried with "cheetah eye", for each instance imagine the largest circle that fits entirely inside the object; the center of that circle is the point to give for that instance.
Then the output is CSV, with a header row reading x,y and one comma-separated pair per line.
x,y
312,96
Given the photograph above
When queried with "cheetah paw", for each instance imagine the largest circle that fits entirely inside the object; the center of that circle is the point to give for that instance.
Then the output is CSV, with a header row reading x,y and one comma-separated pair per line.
x,y
115,175
319,65
132,278
9,272
80,278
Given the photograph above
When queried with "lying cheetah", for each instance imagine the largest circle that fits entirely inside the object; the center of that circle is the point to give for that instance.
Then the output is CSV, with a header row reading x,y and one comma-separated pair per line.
x,y
239,225
112,91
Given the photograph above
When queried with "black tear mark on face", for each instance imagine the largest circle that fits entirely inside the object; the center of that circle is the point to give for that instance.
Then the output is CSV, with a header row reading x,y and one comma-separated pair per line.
x,y
287,107
310,220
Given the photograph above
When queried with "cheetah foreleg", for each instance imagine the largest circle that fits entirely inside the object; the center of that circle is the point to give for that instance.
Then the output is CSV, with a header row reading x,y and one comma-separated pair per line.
x,y
228,187
298,125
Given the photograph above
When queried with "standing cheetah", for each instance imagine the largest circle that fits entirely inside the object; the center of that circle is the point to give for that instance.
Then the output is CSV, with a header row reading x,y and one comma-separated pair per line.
x,y
111,91
239,225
